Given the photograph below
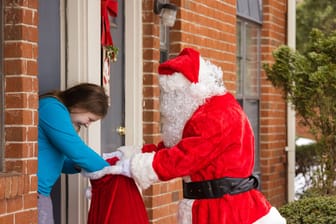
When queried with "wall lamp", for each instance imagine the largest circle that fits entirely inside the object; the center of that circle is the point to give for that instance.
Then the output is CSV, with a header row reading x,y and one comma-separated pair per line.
x,y
167,12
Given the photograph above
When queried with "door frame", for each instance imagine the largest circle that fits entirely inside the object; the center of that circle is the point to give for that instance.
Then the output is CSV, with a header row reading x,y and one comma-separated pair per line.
x,y
133,73
80,35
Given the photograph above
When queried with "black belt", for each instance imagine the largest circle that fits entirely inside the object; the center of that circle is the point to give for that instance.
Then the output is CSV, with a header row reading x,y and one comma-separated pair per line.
x,y
219,187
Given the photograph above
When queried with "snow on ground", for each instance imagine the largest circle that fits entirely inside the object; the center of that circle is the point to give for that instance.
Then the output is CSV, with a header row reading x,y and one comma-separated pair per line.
x,y
301,182
304,141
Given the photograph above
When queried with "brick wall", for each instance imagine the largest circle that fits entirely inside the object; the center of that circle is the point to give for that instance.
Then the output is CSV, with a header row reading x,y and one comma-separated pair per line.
x,y
273,136
18,182
161,199
210,27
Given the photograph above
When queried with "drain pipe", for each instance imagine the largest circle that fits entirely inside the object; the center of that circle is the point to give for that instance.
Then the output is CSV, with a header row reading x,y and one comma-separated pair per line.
x,y
291,121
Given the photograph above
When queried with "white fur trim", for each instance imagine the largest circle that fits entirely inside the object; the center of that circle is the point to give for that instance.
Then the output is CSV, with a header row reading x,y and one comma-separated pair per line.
x,y
116,169
176,81
88,193
210,81
142,170
185,214
272,217
185,211
109,155
129,151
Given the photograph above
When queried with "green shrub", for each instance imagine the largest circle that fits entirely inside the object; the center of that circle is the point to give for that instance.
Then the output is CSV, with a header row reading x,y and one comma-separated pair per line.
x,y
307,81
306,157
311,210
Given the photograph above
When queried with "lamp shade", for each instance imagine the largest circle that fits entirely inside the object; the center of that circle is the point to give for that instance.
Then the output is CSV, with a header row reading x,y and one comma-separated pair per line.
x,y
168,17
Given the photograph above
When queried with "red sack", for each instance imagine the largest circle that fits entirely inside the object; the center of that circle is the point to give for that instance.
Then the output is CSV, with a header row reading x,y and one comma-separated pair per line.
x,y
116,199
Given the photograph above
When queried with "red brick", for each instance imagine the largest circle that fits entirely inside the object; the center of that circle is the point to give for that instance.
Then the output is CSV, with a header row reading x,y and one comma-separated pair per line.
x,y
8,219
14,204
33,4
21,84
15,166
2,188
31,166
30,201
15,67
32,133
33,183
3,207
16,100
26,217
23,117
15,133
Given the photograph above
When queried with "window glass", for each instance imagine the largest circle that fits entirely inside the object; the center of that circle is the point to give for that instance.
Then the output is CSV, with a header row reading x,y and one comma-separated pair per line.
x,y
250,9
248,73
248,59
251,108
251,82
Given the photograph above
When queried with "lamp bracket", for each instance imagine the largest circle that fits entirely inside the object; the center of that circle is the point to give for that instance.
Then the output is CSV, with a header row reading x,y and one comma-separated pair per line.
x,y
158,6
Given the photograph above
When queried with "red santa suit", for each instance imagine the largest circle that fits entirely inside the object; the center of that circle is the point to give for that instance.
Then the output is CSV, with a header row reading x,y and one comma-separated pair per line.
x,y
114,198
206,137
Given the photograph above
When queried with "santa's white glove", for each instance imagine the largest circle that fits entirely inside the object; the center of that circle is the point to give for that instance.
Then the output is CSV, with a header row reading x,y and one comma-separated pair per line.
x,y
129,151
113,154
123,167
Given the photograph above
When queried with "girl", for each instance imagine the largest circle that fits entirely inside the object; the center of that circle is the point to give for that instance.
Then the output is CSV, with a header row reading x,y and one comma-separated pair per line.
x,y
61,150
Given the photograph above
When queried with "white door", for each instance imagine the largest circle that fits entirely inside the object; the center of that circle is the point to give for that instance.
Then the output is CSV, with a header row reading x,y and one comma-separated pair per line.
x,y
113,125
83,62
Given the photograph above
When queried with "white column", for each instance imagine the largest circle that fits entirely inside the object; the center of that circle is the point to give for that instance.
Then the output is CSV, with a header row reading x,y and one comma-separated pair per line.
x,y
82,64
291,121
133,72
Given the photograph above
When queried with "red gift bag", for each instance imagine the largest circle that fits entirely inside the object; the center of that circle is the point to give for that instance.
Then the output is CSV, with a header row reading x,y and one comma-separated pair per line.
x,y
116,199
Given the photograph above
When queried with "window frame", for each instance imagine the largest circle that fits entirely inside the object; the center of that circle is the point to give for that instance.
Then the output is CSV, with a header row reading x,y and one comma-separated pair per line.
x,y
242,96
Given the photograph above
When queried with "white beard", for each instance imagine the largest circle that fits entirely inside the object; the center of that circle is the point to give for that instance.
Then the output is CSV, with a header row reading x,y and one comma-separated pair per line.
x,y
177,106
180,98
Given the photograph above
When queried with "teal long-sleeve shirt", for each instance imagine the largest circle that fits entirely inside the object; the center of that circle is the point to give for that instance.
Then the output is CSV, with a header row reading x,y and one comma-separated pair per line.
x,y
60,148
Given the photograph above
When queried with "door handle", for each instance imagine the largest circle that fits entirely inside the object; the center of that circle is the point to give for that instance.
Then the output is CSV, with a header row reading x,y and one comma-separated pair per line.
x,y
121,130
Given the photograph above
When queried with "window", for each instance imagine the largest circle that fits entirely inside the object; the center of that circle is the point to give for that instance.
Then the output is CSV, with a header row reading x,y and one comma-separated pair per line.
x,y
250,10
248,65
2,105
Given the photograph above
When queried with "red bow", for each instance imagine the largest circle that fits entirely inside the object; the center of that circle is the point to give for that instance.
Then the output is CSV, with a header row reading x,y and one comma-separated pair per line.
x,y
107,7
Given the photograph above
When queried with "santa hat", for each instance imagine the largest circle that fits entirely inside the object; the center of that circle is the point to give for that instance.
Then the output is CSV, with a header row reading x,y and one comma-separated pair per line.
x,y
189,69
187,63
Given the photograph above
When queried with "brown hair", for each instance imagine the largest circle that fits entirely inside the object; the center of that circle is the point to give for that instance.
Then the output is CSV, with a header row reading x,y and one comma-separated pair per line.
x,y
87,96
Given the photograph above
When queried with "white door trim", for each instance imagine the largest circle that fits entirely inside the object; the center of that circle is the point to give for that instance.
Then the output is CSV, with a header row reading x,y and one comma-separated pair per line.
x,y
133,73
82,63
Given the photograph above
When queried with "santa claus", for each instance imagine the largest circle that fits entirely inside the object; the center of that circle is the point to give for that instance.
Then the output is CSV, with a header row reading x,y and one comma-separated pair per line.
x,y
208,141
